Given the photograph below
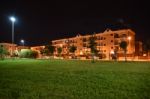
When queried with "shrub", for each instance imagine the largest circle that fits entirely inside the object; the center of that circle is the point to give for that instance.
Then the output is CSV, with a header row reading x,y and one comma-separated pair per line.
x,y
27,53
3,53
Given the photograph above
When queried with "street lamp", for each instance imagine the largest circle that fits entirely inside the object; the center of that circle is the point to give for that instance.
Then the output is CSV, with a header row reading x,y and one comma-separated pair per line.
x,y
13,19
22,41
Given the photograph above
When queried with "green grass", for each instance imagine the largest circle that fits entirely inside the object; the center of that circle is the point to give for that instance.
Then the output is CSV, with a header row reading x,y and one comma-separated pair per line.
x,y
64,79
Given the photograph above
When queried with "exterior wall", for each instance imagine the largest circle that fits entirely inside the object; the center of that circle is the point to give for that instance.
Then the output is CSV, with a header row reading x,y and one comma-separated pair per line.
x,y
22,47
107,42
11,48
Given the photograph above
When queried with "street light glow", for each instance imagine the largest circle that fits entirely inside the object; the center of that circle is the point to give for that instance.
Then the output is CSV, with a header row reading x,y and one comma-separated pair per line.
x,y
129,38
22,41
12,19
112,52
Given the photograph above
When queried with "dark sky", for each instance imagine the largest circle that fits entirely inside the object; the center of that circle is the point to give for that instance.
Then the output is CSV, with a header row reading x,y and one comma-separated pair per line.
x,y
39,22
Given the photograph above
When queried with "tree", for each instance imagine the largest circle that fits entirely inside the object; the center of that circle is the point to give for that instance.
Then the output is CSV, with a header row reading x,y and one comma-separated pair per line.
x,y
92,46
48,50
114,54
59,50
147,45
44,51
72,49
3,52
123,45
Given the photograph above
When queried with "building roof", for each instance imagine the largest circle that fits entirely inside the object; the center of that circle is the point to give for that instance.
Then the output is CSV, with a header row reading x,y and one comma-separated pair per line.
x,y
10,44
107,31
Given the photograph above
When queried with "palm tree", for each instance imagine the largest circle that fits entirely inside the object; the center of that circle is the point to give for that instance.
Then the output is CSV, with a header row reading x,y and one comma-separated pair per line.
x,y
123,45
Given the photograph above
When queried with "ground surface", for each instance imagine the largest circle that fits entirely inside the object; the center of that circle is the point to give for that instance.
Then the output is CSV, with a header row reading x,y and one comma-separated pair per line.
x,y
62,79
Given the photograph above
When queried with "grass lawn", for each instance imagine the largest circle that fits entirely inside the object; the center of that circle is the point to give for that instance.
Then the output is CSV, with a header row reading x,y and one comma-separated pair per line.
x,y
64,79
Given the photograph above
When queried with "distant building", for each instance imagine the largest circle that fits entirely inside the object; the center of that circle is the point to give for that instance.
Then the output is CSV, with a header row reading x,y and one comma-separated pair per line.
x,y
107,42
22,47
11,48
38,49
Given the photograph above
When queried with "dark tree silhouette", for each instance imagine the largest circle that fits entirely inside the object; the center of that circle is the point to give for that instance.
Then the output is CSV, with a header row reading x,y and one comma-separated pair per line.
x,y
59,50
72,49
124,45
92,46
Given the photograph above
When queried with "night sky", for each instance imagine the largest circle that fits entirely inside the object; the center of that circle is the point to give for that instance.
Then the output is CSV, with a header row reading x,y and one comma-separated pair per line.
x,y
39,22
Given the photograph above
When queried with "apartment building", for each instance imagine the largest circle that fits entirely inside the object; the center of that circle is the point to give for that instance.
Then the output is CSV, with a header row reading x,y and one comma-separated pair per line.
x,y
107,42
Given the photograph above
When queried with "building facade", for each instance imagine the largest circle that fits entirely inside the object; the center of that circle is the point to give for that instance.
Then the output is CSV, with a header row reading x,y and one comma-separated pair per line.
x,y
38,49
107,42
11,48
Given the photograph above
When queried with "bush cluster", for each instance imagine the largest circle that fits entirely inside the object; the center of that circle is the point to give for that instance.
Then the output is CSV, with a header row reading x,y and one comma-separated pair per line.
x,y
27,53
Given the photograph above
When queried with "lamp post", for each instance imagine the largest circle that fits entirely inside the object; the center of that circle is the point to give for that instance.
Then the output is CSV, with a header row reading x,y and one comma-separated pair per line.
x,y
22,42
12,19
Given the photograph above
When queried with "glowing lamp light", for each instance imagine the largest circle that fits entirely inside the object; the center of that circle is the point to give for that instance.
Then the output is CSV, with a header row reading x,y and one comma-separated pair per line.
x,y
22,41
111,52
129,38
81,53
12,19
61,45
